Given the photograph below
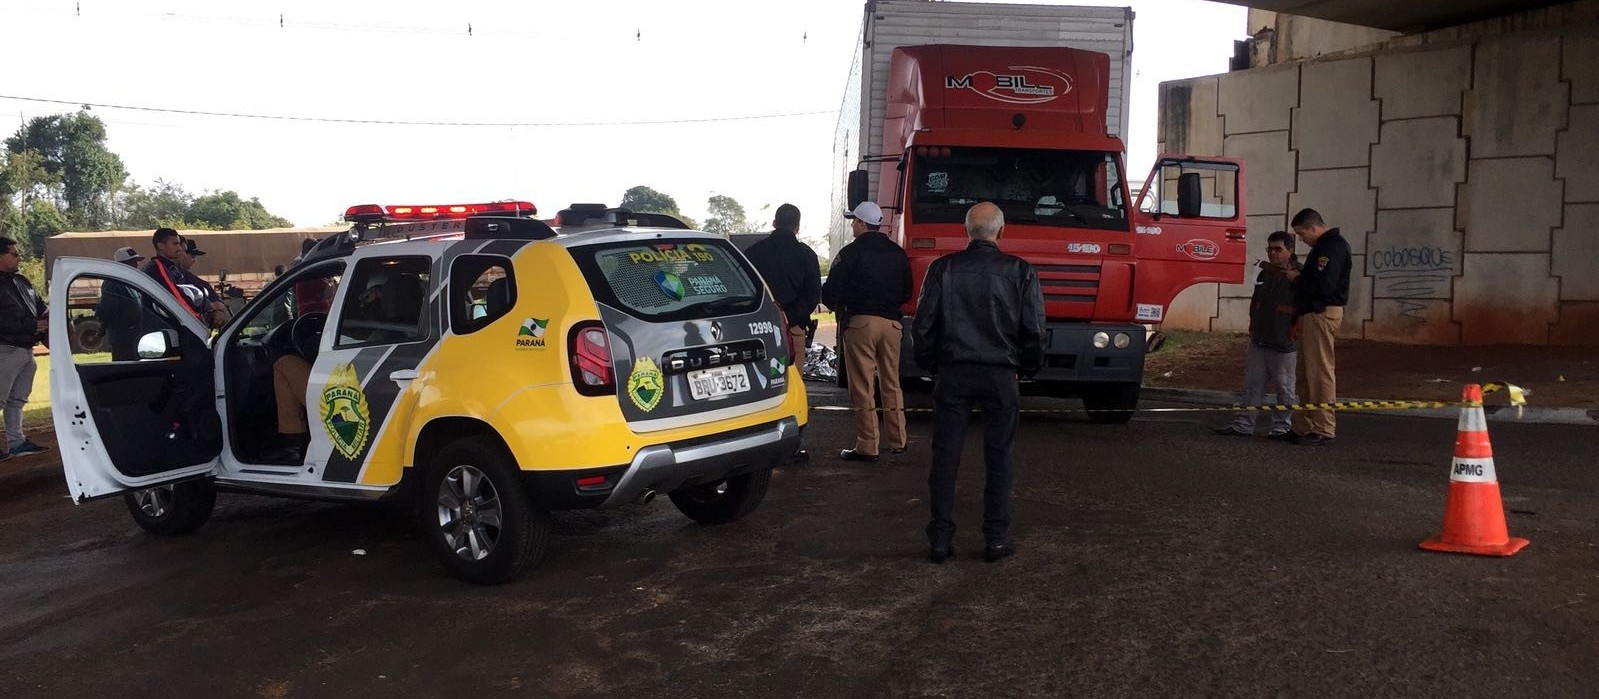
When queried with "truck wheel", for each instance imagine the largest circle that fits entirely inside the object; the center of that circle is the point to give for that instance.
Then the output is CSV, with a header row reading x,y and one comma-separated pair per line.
x,y
1111,404
88,336
479,516
724,501
168,510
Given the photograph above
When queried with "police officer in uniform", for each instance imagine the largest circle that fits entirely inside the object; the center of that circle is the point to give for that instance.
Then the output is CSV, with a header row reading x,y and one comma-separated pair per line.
x,y
1321,289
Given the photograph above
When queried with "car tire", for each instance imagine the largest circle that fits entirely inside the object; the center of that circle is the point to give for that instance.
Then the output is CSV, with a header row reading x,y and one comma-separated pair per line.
x,y
724,501
87,336
478,515
1111,404
170,510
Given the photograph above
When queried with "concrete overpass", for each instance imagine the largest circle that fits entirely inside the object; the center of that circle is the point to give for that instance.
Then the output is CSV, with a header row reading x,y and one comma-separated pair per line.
x,y
1454,142
1410,16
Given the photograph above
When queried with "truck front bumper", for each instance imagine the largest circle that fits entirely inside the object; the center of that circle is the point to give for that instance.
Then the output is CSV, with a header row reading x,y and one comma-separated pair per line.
x,y
1069,354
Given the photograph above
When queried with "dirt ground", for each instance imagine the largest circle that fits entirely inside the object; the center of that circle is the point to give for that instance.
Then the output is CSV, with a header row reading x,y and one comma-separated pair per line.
x,y
1557,377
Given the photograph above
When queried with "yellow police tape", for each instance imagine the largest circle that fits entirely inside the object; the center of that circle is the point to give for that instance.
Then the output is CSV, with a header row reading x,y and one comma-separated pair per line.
x,y
1517,394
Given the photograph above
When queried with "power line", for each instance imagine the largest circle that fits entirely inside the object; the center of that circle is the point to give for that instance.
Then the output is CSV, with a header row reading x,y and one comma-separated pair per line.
x,y
390,122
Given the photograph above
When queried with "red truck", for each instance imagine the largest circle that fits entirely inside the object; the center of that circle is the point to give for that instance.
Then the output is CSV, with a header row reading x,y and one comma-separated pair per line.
x,y
1027,129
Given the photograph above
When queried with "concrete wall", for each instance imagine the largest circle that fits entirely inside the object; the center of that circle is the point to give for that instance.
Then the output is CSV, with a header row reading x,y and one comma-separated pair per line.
x,y
1281,38
1464,173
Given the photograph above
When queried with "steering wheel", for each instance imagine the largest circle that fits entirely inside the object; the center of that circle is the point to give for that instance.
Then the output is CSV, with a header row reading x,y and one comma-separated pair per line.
x,y
306,334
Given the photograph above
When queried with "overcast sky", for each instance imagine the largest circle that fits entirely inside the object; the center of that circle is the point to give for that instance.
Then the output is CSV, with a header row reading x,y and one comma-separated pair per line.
x,y
539,64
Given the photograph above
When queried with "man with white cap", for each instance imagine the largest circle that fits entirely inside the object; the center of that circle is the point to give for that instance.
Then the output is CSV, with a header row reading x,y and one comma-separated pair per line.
x,y
119,311
869,282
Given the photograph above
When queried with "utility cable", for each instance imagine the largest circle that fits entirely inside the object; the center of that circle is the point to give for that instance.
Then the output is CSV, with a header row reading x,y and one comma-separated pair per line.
x,y
390,122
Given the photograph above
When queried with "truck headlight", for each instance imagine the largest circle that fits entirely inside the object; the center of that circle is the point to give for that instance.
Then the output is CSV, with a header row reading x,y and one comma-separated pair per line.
x,y
1101,340
1123,340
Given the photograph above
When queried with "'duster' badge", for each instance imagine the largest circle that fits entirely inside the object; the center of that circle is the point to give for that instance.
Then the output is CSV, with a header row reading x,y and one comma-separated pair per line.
x,y
645,384
345,412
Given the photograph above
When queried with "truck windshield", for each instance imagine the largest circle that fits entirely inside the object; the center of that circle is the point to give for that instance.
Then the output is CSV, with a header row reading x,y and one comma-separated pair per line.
x,y
1070,189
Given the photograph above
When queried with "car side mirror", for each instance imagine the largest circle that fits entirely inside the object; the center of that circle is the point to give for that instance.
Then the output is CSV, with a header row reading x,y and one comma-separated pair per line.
x,y
857,188
158,345
1189,195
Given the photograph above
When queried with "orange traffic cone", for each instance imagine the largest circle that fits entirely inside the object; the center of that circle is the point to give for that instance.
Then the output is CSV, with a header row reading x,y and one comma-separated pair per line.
x,y
1474,518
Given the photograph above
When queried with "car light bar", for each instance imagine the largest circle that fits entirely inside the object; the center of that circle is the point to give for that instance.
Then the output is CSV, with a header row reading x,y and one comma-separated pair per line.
x,y
369,213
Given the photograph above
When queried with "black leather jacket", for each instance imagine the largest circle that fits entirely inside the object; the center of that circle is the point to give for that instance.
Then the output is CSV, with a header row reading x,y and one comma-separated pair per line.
x,y
980,306
20,310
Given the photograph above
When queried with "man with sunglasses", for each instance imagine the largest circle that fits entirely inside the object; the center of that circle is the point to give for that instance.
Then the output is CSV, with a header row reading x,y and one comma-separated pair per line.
x,y
22,325
1272,352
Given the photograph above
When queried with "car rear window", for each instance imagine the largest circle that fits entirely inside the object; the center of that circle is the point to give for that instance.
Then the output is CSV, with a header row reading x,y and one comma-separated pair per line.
x,y
668,280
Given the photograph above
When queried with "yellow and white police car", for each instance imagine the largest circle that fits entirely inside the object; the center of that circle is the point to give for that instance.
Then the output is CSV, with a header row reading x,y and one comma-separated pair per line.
x,y
493,366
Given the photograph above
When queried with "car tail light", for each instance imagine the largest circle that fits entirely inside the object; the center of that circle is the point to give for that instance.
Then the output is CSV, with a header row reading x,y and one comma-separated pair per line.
x,y
590,350
788,337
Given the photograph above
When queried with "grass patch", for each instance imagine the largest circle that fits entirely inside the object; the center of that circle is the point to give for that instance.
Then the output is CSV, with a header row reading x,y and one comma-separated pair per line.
x,y
37,412
824,317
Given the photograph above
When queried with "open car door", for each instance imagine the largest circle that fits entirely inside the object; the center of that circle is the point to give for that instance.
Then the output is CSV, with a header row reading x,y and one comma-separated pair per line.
x,y
132,386
1189,226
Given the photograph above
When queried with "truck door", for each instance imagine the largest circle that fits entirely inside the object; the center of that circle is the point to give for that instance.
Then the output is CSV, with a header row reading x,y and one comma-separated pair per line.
x,y
137,409
1189,228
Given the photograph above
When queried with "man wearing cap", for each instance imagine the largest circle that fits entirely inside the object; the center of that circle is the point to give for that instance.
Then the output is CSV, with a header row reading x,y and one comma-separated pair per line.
x,y
119,310
868,283
192,292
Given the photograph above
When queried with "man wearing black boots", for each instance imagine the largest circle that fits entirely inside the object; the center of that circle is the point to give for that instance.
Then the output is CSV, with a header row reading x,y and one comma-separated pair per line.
x,y
979,327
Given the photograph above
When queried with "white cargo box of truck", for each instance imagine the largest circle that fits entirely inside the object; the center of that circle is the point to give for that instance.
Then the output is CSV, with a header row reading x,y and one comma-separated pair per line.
x,y
890,24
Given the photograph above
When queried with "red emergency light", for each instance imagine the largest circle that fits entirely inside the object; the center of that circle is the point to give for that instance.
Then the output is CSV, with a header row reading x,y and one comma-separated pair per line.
x,y
431,212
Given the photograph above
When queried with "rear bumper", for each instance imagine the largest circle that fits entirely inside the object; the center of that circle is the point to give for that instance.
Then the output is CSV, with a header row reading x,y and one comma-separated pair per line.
x,y
667,467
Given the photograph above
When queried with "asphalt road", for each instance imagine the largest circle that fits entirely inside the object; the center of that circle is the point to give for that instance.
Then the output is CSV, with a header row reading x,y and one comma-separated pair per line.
x,y
1154,559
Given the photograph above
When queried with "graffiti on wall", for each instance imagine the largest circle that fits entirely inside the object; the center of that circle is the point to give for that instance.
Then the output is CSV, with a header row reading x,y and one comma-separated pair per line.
x,y
1412,272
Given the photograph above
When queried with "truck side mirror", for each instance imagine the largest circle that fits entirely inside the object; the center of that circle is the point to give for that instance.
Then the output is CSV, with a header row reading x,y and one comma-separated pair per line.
x,y
857,188
1189,195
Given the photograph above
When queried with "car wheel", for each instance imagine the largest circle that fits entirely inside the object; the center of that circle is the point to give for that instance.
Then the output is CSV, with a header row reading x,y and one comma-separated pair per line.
x,y
1111,404
479,516
723,501
177,508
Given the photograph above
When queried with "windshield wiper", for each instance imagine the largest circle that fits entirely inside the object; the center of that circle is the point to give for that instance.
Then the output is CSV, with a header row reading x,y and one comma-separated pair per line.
x,y
717,305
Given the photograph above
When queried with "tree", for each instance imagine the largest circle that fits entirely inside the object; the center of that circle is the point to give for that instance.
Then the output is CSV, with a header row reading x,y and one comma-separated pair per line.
x,y
41,219
162,204
727,216
646,200
227,211
82,175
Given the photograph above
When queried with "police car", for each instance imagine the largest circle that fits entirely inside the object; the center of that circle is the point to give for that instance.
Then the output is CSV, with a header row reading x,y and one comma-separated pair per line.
x,y
471,356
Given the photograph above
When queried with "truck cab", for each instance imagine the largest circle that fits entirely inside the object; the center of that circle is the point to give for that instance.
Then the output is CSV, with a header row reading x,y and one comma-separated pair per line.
x,y
1024,128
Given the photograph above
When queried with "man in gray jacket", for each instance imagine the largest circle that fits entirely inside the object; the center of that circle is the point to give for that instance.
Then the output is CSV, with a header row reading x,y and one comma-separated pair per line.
x,y
1272,354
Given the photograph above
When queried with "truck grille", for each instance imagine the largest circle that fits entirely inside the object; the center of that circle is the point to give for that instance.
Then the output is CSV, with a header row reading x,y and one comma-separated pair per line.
x,y
1069,283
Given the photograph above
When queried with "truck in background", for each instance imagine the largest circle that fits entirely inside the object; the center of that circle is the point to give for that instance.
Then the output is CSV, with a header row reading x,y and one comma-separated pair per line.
x,y
950,104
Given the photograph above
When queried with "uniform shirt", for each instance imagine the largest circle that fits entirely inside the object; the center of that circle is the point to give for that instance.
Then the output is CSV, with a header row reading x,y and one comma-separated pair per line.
x,y
872,276
791,271
1324,280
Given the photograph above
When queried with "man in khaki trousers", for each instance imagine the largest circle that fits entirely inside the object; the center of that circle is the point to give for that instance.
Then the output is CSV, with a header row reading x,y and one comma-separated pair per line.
x,y
1321,289
868,283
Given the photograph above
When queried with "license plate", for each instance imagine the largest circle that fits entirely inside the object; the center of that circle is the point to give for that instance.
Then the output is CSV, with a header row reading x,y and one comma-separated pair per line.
x,y
716,383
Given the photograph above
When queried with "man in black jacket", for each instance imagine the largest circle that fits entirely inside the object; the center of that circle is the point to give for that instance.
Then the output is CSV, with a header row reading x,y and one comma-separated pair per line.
x,y
1320,291
22,325
979,326
1272,353
867,285
119,310
792,273
193,294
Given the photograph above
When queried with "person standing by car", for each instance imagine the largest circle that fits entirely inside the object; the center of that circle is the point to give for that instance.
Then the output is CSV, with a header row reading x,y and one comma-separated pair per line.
x,y
1321,289
867,285
979,327
1272,353
793,274
22,325
167,270
118,310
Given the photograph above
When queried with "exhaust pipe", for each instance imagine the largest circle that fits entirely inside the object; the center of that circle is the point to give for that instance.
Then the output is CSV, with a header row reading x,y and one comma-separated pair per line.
x,y
645,497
